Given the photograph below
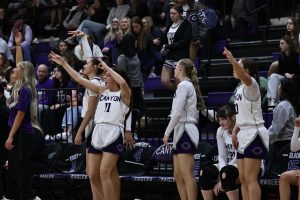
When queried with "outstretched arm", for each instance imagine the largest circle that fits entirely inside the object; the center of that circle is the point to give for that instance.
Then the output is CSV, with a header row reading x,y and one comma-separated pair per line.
x,y
75,75
238,70
125,90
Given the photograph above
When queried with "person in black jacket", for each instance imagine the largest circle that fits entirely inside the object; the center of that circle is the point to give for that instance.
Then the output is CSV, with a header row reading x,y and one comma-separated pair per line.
x,y
176,45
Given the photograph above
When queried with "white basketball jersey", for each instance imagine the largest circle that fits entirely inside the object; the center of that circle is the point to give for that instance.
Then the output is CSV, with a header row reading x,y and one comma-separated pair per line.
x,y
111,109
248,112
226,140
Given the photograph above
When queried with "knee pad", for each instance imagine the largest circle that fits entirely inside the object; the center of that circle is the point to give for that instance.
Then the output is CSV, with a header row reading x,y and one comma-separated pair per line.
x,y
209,177
228,176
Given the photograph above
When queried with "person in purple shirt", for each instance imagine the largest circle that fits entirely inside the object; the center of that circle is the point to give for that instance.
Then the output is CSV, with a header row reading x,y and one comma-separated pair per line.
x,y
44,83
21,138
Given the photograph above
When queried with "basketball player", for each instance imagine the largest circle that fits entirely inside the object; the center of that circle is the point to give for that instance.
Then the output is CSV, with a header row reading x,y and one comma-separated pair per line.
x,y
184,117
249,135
107,138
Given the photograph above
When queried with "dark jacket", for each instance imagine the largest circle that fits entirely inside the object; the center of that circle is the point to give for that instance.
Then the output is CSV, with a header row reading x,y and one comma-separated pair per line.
x,y
180,47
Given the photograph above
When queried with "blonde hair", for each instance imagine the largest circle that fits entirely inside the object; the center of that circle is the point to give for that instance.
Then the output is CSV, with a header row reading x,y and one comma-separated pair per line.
x,y
112,34
191,72
26,80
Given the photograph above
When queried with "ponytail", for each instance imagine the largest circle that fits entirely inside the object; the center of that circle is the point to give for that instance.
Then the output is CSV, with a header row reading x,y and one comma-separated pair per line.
x,y
191,72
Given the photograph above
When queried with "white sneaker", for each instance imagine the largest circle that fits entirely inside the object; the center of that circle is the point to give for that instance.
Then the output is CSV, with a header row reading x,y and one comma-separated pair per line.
x,y
35,41
48,27
36,198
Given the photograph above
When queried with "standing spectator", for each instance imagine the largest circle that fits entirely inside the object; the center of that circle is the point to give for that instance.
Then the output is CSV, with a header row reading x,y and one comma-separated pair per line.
x,y
145,47
119,11
56,15
249,136
176,44
26,32
129,62
210,14
198,20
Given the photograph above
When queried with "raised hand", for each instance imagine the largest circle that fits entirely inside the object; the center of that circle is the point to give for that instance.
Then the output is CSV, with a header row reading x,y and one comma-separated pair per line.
x,y
57,59
228,54
76,33
297,121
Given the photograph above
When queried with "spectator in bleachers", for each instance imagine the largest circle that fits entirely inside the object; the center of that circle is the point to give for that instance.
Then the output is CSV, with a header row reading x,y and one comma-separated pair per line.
x,y
62,47
250,137
70,119
119,11
157,10
195,15
4,23
157,34
4,49
138,8
109,119
112,40
87,41
284,114
4,65
187,103
288,67
96,21
292,30
56,15
129,62
76,15
289,178
210,14
61,80
44,83
25,30
176,43
243,21
11,80
125,26
145,47
4,116
223,177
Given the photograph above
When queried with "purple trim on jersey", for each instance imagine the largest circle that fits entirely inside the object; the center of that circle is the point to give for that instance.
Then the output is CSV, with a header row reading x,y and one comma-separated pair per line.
x,y
117,147
22,105
185,145
255,150
44,97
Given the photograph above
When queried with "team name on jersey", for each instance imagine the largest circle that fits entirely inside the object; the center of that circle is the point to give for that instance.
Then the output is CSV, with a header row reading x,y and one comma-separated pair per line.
x,y
238,97
109,98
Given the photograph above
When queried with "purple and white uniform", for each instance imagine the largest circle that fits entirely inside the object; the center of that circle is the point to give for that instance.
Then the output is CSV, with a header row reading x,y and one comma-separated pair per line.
x,y
110,115
184,116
